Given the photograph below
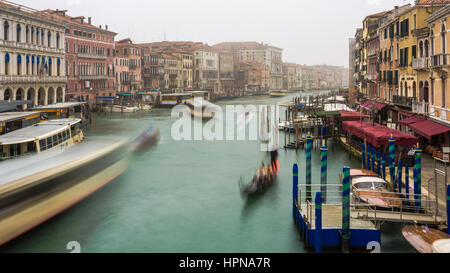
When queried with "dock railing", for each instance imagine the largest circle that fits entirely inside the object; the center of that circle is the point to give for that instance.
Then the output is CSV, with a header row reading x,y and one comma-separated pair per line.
x,y
416,208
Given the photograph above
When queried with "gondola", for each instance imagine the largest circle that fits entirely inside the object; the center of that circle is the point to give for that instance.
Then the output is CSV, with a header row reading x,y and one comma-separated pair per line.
x,y
255,187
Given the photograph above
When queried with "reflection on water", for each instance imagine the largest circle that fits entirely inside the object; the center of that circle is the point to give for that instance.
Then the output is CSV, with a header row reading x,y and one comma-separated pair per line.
x,y
184,197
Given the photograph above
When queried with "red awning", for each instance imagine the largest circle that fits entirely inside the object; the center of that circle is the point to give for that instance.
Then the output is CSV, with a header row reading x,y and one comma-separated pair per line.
x,y
405,113
378,135
349,115
428,128
377,105
410,120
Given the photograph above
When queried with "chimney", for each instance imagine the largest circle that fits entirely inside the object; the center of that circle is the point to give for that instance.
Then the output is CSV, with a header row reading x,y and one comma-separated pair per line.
x,y
100,26
106,27
89,20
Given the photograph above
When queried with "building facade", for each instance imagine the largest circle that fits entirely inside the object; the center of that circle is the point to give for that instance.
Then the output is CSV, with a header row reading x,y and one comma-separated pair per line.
x,y
90,58
32,59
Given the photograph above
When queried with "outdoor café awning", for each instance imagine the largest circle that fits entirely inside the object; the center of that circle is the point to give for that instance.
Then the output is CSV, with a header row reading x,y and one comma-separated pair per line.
x,y
410,120
378,135
377,105
428,128
349,115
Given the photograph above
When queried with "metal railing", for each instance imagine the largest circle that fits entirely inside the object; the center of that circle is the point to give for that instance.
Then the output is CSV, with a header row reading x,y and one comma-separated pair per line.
x,y
421,107
31,79
402,100
92,56
28,46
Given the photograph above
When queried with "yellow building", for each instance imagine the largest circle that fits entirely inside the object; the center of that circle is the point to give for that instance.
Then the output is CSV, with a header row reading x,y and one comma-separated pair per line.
x,y
440,65
187,73
370,27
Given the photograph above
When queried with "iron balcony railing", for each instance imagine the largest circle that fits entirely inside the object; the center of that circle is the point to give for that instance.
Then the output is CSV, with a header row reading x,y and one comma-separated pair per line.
x,y
91,56
402,100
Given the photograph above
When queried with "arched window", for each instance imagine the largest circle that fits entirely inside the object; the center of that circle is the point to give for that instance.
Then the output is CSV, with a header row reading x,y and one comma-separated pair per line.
x,y
6,30
27,32
49,41
421,49
19,33
38,40
426,48
27,65
58,65
443,35
50,67
32,65
432,44
32,35
19,64
414,87
42,37
57,40
7,64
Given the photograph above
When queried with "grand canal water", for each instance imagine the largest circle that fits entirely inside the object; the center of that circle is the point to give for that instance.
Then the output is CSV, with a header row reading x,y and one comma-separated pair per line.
x,y
184,197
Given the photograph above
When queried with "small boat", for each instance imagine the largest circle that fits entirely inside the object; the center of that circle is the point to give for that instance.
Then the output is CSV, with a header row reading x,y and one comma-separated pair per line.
x,y
146,107
257,186
278,93
423,238
121,109
146,140
372,189
202,109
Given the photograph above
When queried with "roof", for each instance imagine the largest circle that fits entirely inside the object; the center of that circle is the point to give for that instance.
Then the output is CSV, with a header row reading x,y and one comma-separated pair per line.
x,y
378,135
349,116
410,120
11,116
58,105
55,15
244,45
428,128
368,179
432,2
38,131
377,105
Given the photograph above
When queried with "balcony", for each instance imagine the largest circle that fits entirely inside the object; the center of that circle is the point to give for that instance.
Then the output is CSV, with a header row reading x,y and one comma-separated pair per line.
x,y
440,60
420,108
25,46
11,79
93,77
439,113
403,101
420,63
372,77
91,56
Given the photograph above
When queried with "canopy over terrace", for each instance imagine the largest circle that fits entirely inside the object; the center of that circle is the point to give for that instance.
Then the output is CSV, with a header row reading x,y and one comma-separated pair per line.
x,y
378,135
428,128
411,120
376,105
352,116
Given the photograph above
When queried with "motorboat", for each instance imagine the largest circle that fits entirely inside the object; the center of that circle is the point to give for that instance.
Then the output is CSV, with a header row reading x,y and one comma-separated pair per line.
x,y
372,189
426,240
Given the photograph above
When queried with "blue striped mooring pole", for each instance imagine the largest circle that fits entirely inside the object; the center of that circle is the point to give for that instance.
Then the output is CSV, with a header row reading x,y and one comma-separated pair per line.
x,y
384,166
372,154
308,167
363,156
379,163
418,183
323,171
392,160
368,150
345,233
318,230
407,183
295,191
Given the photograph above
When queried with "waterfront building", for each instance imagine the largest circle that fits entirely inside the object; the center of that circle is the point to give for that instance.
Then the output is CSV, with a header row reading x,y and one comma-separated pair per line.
x,y
291,77
187,59
369,30
130,55
250,77
258,52
172,73
439,109
206,65
32,58
89,57
150,75
226,72
358,66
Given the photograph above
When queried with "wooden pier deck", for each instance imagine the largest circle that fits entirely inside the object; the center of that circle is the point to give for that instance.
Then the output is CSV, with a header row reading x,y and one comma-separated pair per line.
x,y
332,217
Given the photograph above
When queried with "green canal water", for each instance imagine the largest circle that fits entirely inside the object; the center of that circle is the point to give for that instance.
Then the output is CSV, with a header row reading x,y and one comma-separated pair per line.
x,y
184,197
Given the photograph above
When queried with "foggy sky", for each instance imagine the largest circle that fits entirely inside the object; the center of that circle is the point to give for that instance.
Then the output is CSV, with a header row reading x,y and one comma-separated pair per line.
x,y
310,31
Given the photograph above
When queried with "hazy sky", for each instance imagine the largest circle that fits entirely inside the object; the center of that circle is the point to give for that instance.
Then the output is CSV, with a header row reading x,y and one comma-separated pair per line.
x,y
310,31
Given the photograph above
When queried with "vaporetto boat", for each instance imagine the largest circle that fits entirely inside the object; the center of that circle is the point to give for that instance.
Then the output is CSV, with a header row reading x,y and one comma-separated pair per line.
x,y
49,135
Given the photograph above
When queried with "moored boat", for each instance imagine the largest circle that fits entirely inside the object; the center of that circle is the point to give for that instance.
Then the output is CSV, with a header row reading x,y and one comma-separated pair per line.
x,y
422,238
121,109
372,189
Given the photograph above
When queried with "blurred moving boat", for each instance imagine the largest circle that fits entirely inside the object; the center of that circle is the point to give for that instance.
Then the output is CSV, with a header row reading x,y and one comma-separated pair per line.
x,y
49,135
278,93
35,188
372,189
423,239
200,108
